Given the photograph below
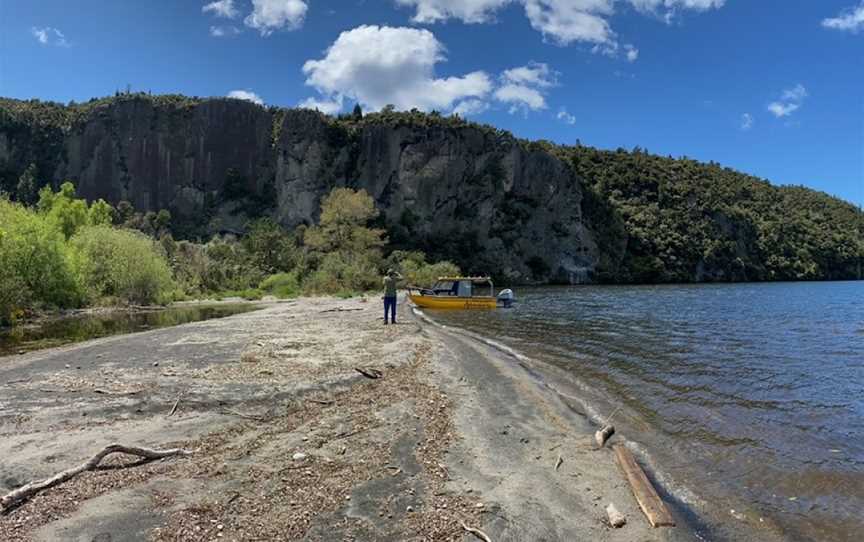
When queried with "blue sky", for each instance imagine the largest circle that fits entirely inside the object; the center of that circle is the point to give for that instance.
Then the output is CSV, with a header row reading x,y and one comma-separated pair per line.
x,y
770,87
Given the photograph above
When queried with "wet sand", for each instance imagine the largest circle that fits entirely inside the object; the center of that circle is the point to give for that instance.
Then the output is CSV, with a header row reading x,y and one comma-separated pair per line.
x,y
290,442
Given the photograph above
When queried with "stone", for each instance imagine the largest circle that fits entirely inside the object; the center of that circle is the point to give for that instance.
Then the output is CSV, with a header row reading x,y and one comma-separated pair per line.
x,y
616,518
299,456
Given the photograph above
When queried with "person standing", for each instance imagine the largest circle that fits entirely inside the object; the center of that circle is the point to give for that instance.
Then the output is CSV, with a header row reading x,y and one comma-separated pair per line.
x,y
390,295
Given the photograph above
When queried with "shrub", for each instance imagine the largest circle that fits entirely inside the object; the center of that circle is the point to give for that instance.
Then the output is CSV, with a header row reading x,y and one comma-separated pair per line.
x,y
121,264
281,285
35,261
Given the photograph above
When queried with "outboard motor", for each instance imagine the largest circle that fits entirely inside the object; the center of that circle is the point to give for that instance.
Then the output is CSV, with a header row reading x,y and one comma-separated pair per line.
x,y
505,298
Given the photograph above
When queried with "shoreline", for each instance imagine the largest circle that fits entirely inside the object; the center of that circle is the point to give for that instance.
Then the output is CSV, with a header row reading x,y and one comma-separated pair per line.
x,y
453,431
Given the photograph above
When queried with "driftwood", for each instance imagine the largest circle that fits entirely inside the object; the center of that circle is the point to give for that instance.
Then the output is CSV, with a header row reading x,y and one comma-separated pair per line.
x,y
369,372
29,490
340,309
649,501
176,403
558,463
603,434
476,532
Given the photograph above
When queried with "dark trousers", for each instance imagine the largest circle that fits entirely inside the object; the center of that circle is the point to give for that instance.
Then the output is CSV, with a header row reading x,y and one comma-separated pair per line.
x,y
390,305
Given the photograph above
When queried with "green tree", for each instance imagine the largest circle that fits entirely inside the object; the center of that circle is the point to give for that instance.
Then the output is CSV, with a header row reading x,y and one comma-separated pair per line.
x,y
357,114
63,209
27,189
345,214
100,213
271,248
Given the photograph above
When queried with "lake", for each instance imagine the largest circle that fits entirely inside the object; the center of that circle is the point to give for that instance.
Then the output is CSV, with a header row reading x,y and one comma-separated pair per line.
x,y
749,398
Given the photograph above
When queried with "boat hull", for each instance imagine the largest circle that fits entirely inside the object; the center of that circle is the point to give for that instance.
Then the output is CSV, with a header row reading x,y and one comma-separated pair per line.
x,y
453,302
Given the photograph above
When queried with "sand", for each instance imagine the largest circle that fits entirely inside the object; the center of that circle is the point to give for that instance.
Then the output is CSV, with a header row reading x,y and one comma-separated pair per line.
x,y
291,442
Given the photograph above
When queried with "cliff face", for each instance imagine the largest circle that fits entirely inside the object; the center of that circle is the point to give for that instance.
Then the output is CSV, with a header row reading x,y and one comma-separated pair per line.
x,y
455,189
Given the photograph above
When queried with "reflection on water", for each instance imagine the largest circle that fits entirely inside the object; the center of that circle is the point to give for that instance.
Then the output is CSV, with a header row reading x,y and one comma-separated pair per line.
x,y
751,394
73,329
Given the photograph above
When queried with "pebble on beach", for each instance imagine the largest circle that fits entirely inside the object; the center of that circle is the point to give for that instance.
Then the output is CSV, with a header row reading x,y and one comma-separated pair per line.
x,y
616,518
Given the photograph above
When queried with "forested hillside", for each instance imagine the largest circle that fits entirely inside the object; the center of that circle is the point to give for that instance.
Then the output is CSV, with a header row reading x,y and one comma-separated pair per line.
x,y
526,212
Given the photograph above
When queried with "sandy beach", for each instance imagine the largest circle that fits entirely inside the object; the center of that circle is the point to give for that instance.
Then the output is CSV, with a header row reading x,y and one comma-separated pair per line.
x,y
290,441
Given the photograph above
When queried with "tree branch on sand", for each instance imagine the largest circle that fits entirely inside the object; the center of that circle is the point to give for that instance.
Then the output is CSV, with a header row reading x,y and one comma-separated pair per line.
x,y
27,491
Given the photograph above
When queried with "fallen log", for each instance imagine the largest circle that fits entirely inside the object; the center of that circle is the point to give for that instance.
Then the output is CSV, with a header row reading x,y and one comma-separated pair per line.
x,y
649,501
29,490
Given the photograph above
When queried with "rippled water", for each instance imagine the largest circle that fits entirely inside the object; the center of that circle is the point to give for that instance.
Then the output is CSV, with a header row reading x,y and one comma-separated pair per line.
x,y
60,331
749,397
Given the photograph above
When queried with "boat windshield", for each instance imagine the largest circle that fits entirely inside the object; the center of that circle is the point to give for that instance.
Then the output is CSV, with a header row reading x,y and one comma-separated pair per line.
x,y
445,287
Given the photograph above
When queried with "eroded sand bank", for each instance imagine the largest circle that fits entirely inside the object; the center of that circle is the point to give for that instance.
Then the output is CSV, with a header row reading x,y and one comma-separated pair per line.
x,y
292,443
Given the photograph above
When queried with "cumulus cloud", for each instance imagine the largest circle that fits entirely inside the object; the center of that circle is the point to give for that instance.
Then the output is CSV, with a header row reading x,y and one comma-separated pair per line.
x,y
270,15
468,11
49,36
563,22
222,8
851,19
330,107
790,101
224,31
247,95
566,117
377,66
747,122
523,88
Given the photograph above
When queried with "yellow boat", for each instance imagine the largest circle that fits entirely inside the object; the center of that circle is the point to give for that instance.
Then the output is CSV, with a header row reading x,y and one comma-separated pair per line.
x,y
454,293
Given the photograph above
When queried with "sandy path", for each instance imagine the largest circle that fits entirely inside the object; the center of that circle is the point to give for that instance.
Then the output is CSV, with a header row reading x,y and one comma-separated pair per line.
x,y
454,431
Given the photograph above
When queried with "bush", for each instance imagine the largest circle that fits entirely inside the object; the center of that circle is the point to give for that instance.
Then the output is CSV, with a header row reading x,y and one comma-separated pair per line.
x,y
281,285
36,268
121,264
342,272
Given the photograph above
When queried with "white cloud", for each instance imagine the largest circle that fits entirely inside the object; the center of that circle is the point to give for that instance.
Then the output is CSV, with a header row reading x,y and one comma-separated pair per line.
x,y
568,21
566,117
790,101
224,31
222,8
329,107
270,15
247,95
376,66
468,11
747,121
523,88
563,22
534,74
851,19
49,36
466,108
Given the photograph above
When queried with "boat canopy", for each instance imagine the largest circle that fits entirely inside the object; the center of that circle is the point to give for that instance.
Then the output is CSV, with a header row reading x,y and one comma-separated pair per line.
x,y
460,286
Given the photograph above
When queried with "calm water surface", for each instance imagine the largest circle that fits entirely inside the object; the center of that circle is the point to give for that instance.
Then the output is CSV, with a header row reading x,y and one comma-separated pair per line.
x,y
60,331
748,397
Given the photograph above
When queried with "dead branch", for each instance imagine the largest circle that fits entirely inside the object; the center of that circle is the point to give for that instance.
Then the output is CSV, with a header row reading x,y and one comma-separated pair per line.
x,y
603,435
28,490
369,372
106,392
558,463
476,532
321,402
177,402
340,309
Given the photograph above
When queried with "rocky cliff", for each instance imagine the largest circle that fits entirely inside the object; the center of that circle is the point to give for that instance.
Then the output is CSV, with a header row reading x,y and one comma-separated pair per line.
x,y
523,211
456,189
